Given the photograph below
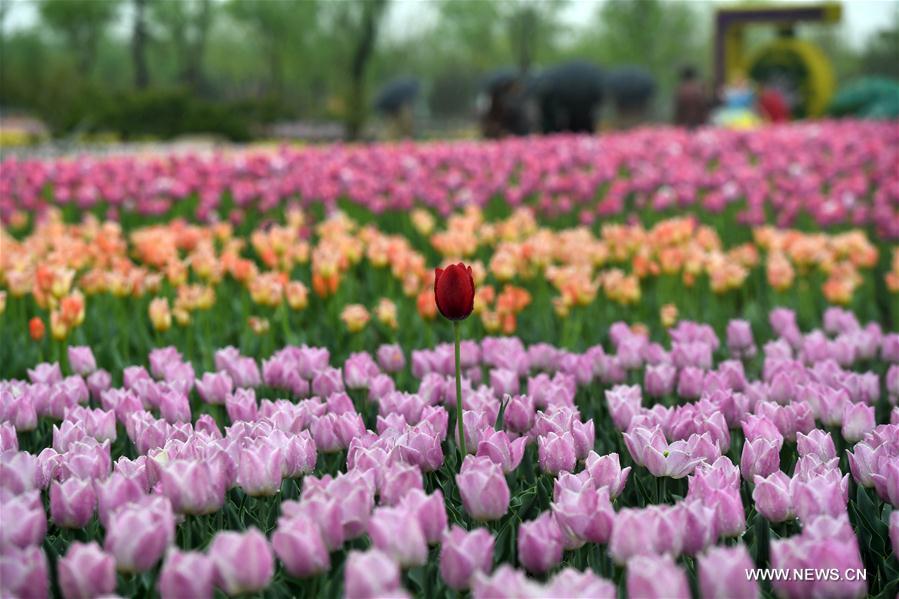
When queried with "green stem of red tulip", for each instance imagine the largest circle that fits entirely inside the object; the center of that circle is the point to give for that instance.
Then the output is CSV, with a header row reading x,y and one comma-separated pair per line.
x,y
459,426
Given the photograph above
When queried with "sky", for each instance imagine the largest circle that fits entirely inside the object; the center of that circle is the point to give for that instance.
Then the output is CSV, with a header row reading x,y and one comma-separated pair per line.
x,y
861,18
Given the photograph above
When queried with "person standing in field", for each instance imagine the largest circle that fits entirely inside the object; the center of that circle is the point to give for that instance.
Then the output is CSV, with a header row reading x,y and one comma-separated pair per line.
x,y
691,102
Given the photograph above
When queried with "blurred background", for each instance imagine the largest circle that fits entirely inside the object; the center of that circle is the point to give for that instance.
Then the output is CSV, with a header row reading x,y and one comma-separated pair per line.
x,y
101,71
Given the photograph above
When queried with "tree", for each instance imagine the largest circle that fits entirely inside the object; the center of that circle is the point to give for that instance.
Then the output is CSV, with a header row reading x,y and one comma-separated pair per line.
x,y
281,27
470,33
81,23
656,35
353,27
533,27
185,25
139,45
881,53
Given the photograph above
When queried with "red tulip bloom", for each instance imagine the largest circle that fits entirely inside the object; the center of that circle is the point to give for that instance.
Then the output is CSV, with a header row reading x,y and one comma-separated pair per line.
x,y
454,291
454,294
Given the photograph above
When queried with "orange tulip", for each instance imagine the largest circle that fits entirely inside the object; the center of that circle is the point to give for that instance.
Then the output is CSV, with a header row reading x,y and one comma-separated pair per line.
x,y
36,328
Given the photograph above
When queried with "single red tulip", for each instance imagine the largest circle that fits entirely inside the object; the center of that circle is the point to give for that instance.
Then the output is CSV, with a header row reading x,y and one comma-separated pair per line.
x,y
454,291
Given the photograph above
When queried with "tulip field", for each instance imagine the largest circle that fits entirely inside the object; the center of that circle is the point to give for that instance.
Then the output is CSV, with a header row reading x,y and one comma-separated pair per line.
x,y
656,363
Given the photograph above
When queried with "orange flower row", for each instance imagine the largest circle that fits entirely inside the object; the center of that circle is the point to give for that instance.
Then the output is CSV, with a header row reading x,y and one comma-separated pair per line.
x,y
181,265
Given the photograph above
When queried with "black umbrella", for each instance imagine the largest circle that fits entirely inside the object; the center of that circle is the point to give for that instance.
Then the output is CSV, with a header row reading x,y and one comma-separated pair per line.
x,y
569,93
396,94
498,78
576,81
631,86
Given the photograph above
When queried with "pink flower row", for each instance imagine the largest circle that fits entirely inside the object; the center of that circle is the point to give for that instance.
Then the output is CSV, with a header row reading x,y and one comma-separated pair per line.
x,y
186,466
837,172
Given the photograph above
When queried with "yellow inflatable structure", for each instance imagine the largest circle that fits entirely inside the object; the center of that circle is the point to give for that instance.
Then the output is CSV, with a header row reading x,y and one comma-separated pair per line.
x,y
797,67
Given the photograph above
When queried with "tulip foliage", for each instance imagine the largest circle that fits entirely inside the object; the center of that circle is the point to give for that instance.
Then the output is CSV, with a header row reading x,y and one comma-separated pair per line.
x,y
268,374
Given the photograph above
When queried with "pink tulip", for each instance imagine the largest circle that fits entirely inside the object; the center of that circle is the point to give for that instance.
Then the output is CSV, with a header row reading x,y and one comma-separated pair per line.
x,y
699,527
135,469
659,380
690,382
574,583
624,403
391,358
428,510
370,575
8,439
81,360
497,446
259,469
756,427
773,496
397,480
193,486
483,487
327,382
739,339
505,583
540,543
659,577
98,382
325,512
185,574
760,458
358,370
606,471
19,472
584,434
556,453
464,553
504,382
174,406
858,419
86,572
650,449
241,405
806,551
398,533
863,462
72,502
820,495
138,533
243,562
45,373
24,520
24,573
722,574
421,446
214,387
886,481
584,515
299,545
519,415
816,442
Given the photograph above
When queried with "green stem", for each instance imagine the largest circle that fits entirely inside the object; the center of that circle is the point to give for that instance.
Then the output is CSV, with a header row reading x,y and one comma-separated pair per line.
x,y
460,427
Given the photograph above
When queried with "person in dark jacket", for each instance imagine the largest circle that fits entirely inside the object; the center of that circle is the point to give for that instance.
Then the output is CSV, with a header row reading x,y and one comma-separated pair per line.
x,y
691,102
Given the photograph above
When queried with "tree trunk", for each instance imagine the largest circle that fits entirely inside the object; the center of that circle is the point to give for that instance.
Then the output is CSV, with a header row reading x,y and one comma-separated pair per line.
x,y
362,53
193,62
139,46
